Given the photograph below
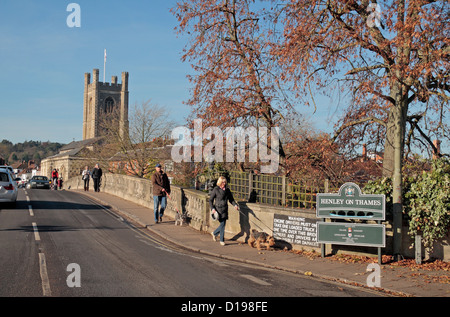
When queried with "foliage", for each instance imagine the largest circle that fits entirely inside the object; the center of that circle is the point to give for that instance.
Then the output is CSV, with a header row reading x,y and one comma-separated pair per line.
x,y
393,69
426,201
429,203
28,150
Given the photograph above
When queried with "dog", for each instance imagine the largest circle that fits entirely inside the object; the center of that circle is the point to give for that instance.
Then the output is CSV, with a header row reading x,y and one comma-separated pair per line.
x,y
261,239
180,218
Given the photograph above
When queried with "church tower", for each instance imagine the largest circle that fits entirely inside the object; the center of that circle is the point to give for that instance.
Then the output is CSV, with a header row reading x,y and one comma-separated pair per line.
x,y
102,101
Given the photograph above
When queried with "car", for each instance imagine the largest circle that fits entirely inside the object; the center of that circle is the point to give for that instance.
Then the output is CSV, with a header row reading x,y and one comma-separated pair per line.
x,y
9,168
39,182
8,188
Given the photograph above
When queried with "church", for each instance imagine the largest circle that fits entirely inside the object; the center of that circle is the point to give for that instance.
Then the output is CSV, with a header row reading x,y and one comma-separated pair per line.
x,y
101,101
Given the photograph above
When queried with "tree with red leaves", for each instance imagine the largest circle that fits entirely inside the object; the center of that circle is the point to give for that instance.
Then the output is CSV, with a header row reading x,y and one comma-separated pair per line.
x,y
391,56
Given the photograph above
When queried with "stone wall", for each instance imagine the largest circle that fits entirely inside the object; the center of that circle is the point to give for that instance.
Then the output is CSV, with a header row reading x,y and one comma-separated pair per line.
x,y
68,167
251,216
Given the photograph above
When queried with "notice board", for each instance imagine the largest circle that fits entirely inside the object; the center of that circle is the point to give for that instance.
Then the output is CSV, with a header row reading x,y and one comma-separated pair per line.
x,y
295,230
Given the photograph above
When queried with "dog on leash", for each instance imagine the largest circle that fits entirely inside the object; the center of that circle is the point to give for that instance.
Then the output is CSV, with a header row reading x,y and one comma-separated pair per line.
x,y
180,218
260,239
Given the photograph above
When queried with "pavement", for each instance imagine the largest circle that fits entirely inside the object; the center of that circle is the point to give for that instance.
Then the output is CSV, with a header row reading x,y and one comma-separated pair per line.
x,y
395,280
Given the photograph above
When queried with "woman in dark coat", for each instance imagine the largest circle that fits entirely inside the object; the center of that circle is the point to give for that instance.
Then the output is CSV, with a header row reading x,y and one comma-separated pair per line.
x,y
218,201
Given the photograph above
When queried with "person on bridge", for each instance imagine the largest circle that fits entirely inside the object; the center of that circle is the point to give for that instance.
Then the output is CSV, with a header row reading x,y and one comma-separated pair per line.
x,y
161,187
97,177
85,176
218,201
54,178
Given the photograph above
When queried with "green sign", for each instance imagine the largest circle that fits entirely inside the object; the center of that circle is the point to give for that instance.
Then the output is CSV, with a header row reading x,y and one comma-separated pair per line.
x,y
349,202
371,235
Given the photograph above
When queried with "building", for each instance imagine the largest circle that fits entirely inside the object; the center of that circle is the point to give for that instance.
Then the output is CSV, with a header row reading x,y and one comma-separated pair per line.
x,y
101,101
104,99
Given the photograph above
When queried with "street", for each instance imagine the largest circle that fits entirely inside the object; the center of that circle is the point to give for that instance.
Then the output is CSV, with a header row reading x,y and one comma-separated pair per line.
x,y
63,244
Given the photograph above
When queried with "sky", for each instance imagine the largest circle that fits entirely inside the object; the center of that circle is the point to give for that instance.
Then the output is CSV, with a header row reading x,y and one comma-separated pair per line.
x,y
43,62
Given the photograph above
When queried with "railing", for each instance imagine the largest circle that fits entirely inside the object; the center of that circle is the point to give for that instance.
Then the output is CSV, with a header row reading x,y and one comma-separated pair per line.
x,y
276,190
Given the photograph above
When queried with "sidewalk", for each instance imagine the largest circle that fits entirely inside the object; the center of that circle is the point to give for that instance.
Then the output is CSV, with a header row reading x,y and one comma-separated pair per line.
x,y
395,280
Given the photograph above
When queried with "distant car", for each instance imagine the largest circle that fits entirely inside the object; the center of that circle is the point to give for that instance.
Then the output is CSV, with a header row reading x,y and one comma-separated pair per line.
x,y
8,187
39,182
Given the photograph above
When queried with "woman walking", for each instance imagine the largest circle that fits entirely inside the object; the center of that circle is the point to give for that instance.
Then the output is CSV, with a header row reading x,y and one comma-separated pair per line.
x,y
86,175
218,201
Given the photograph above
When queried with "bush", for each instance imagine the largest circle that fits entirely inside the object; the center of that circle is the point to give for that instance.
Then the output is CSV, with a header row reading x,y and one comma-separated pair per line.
x,y
429,203
426,201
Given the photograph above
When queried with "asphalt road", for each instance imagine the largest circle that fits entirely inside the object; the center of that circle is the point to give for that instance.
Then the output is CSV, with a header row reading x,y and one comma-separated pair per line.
x,y
62,244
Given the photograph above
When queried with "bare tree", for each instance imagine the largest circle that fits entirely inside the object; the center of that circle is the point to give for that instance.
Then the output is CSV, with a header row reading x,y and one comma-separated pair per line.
x,y
138,149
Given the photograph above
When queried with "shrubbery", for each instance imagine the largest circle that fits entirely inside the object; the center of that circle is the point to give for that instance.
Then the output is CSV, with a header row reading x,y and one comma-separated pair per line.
x,y
426,200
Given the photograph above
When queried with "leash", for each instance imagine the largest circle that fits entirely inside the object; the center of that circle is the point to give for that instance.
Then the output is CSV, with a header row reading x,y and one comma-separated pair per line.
x,y
239,209
174,206
253,221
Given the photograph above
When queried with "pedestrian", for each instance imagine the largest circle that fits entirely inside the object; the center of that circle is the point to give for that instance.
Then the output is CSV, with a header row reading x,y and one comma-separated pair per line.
x,y
85,176
161,187
218,202
60,182
54,178
97,177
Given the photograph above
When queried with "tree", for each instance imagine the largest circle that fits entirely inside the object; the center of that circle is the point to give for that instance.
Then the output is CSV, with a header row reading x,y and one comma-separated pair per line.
x,y
149,123
391,56
236,80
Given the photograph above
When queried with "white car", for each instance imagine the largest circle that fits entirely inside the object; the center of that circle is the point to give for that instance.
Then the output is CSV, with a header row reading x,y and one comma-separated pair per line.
x,y
8,188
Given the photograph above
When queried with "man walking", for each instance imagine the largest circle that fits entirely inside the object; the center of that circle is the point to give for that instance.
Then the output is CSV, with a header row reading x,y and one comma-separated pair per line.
x,y
161,187
96,177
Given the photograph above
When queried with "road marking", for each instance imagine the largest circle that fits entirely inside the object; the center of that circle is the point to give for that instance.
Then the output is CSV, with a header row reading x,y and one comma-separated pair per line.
x,y
28,198
256,280
44,276
30,209
36,232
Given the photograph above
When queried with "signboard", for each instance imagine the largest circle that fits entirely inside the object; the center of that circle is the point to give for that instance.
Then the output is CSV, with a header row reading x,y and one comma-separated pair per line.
x,y
372,235
296,230
349,202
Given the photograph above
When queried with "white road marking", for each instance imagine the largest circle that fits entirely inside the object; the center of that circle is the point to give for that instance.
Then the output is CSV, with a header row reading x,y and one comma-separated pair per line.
x,y
44,276
256,280
30,209
36,232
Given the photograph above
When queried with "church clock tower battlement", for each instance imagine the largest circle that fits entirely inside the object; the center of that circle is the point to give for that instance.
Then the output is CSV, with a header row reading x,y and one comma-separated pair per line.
x,y
102,100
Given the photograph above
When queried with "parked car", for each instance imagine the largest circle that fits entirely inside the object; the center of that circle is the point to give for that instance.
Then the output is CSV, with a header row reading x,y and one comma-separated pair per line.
x,y
8,187
9,168
39,182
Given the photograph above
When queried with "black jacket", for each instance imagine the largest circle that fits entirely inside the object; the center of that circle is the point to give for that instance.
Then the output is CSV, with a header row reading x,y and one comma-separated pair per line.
x,y
219,199
96,173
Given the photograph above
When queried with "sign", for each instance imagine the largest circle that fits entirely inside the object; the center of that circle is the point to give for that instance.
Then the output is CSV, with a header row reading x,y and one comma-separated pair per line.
x,y
349,202
371,235
295,230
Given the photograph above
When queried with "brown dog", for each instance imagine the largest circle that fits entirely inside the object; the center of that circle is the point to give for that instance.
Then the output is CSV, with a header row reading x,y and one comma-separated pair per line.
x,y
260,239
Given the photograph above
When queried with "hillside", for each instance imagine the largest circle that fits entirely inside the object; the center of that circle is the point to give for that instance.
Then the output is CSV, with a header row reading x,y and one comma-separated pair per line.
x,y
26,151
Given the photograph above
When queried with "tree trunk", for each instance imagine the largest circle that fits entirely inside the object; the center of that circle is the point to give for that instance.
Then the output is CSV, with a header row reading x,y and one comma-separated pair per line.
x,y
392,162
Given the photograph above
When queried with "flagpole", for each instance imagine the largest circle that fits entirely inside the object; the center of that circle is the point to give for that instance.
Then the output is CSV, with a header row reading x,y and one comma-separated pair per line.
x,y
104,66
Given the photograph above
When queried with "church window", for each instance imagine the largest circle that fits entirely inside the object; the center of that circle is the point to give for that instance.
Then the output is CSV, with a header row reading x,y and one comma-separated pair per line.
x,y
109,105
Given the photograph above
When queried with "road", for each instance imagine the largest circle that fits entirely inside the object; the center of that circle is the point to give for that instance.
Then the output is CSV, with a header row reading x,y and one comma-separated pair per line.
x,y
61,243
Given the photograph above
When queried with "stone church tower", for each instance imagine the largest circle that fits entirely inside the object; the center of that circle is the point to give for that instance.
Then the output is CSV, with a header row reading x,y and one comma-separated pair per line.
x,y
102,100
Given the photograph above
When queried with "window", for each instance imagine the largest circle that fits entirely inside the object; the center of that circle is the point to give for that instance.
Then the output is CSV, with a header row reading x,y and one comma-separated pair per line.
x,y
109,105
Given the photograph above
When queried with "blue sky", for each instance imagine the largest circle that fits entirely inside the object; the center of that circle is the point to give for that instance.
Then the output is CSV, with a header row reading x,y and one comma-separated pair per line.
x,y
43,62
